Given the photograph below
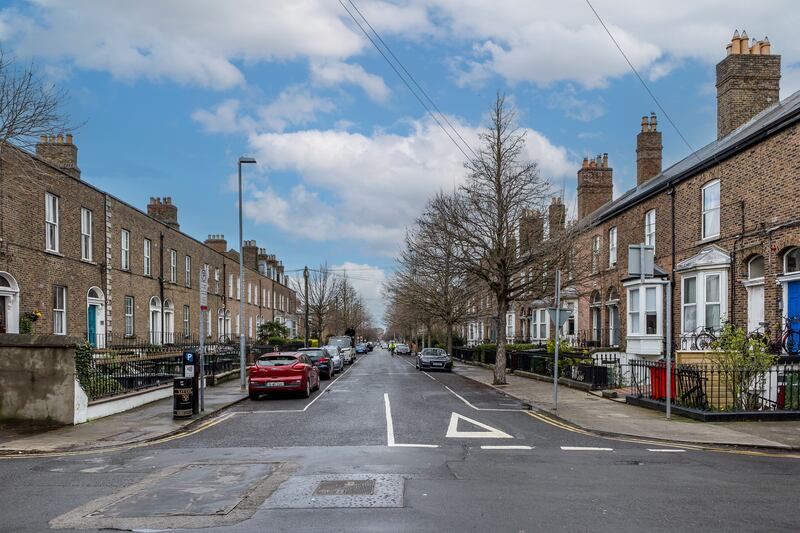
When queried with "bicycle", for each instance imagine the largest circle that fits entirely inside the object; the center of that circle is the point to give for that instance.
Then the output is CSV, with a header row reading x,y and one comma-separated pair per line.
x,y
790,339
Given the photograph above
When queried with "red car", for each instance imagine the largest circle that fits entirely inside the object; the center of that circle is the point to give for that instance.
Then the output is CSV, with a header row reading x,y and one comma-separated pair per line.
x,y
282,371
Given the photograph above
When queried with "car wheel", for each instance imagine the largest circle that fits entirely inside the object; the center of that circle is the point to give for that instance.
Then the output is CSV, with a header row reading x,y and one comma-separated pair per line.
x,y
307,392
316,387
254,396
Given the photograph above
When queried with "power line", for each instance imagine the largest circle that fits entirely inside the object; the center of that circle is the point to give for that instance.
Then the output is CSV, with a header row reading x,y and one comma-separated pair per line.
x,y
644,84
403,79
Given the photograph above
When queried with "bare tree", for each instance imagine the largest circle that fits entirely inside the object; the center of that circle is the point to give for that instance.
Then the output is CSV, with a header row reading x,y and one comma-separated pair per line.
x,y
430,274
483,219
349,310
29,107
323,288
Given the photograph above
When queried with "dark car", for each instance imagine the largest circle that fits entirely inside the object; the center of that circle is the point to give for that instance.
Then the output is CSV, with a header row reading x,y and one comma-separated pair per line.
x,y
402,349
434,358
370,346
322,360
282,371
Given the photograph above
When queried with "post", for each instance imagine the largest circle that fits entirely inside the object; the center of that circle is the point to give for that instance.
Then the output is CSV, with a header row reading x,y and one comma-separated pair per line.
x,y
242,362
202,355
668,348
557,340
305,277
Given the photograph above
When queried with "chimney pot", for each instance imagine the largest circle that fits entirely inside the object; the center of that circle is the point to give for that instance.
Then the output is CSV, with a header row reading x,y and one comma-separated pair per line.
x,y
43,139
645,123
765,47
60,138
585,162
69,138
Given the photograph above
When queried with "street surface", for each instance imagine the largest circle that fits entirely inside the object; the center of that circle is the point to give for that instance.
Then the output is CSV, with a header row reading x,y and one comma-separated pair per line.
x,y
384,447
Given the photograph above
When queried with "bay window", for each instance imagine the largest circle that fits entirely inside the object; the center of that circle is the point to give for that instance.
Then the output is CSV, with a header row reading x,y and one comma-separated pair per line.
x,y
633,312
703,301
645,305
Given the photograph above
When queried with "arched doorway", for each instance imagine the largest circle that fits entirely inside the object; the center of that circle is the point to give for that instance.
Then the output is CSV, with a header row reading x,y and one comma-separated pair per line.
x,y
155,320
95,317
169,322
9,303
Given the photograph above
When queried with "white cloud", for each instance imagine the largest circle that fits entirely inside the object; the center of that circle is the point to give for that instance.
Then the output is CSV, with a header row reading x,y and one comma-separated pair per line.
x,y
575,107
369,188
224,118
331,73
368,281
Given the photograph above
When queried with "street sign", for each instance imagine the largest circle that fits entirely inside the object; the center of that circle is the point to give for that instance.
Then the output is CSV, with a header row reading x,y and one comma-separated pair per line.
x,y
563,316
203,289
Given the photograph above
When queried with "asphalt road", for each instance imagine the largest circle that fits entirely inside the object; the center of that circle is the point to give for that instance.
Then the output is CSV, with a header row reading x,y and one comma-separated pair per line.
x,y
429,452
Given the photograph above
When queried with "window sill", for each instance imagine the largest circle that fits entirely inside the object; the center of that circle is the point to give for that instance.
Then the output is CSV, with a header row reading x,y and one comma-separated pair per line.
x,y
707,240
54,252
88,262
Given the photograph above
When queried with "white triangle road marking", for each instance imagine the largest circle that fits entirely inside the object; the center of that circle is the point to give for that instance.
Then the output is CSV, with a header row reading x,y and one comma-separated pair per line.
x,y
488,433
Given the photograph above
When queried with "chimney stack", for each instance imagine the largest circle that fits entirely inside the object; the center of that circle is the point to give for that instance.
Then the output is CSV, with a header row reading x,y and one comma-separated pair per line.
x,y
59,152
250,250
595,185
556,216
748,82
217,243
648,150
164,211
531,229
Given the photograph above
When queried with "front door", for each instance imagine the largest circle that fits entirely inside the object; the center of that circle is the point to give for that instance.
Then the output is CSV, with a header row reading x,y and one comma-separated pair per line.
x,y
3,328
755,307
793,312
613,325
91,323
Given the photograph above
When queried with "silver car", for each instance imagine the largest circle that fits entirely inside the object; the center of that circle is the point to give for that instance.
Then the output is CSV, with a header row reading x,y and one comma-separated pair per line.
x,y
336,357
402,349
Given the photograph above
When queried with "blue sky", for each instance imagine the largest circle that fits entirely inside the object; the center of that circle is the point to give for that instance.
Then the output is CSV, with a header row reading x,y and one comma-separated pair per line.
x,y
173,92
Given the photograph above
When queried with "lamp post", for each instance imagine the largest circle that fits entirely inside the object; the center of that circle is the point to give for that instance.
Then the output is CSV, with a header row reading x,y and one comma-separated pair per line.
x,y
305,277
242,363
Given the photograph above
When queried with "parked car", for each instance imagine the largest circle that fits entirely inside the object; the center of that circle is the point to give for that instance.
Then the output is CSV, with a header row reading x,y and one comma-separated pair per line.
x,y
346,344
336,356
282,371
321,359
434,358
361,348
402,349
370,346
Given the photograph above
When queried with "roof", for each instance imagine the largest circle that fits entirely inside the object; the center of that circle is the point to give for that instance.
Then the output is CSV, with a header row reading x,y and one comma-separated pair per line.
x,y
711,256
764,124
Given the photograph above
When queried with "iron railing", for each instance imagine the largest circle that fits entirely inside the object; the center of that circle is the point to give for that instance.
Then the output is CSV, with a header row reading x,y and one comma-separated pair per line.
x,y
709,387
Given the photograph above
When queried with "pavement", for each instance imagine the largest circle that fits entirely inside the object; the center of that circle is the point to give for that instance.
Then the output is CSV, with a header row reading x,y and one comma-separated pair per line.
x,y
145,423
387,448
590,411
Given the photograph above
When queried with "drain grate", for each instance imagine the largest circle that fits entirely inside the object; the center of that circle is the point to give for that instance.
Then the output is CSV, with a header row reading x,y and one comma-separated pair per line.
x,y
345,487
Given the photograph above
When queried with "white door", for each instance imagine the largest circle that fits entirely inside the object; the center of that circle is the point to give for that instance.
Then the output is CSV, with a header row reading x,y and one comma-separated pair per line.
x,y
755,307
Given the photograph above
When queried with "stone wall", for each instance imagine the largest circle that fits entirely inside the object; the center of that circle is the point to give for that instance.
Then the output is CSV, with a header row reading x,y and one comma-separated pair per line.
x,y
37,378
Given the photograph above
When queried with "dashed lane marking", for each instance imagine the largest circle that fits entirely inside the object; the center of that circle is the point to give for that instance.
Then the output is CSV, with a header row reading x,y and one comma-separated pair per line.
x,y
665,450
585,449
511,447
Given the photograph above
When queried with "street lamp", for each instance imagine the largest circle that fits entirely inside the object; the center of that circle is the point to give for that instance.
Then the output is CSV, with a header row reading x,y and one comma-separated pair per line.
x,y
305,277
242,363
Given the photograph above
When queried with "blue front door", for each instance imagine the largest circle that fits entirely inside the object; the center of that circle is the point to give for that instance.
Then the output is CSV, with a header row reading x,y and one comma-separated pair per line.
x,y
792,341
91,319
793,305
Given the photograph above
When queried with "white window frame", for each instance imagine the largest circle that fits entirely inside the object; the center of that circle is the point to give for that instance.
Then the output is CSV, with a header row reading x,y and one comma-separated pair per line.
x,y
188,271
710,210
701,302
786,270
186,321
637,312
612,247
59,310
216,282
510,325
147,246
86,234
129,309
249,292
650,228
52,238
255,296
125,250
173,266
595,254
230,286
540,319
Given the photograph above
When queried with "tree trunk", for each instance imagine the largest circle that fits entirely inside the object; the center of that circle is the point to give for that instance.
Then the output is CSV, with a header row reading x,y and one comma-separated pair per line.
x,y
500,358
450,339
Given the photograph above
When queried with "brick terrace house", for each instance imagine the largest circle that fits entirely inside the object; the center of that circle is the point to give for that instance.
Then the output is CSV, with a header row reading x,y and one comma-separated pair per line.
x,y
100,269
724,222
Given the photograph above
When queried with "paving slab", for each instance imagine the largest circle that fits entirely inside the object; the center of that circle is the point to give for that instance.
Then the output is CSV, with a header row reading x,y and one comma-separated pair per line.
x,y
144,423
589,410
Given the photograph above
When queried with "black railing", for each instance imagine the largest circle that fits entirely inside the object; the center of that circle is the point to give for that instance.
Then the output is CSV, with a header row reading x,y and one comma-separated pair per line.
x,y
709,387
133,365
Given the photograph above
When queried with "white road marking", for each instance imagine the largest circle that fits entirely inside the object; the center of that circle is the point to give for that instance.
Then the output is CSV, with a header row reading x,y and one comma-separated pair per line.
x,y
488,433
665,450
512,447
390,429
585,449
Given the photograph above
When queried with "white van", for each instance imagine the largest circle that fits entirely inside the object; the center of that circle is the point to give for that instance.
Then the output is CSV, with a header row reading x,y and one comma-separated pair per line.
x,y
345,343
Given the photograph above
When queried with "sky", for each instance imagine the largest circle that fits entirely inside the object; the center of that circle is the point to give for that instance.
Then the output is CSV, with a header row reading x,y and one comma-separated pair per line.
x,y
169,94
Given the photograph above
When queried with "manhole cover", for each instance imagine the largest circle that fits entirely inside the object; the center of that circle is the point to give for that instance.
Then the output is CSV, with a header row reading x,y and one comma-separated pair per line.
x,y
345,487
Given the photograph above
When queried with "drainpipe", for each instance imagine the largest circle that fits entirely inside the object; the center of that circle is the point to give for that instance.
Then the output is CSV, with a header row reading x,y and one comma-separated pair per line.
x,y
671,286
161,279
734,255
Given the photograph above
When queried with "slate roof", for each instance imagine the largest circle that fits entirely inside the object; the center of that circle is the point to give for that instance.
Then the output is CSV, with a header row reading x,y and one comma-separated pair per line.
x,y
769,121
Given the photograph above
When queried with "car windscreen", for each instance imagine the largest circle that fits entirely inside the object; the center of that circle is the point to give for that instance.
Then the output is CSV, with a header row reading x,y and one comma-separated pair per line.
x,y
277,360
342,342
434,352
314,354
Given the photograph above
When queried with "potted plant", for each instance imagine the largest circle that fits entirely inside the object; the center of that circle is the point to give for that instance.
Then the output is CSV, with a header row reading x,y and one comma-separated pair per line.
x,y
27,320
